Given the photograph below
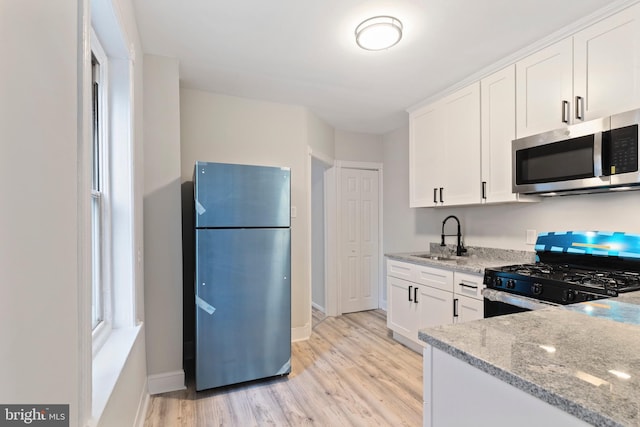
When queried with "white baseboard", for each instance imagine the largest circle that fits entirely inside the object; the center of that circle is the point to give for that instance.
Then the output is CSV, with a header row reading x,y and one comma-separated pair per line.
x,y
409,343
301,334
165,382
143,407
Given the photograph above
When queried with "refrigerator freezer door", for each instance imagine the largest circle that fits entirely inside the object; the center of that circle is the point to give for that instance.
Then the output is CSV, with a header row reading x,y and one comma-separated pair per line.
x,y
229,195
243,311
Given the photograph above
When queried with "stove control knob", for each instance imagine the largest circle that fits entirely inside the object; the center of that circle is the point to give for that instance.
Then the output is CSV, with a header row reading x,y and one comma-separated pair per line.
x,y
536,288
511,284
569,295
497,282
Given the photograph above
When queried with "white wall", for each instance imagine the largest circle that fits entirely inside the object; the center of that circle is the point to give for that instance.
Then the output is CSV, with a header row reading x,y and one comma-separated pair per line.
x,y
405,229
359,147
162,217
320,137
219,128
39,136
499,226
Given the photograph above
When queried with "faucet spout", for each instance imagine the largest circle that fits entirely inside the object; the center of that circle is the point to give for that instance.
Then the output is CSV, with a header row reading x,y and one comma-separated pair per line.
x,y
459,247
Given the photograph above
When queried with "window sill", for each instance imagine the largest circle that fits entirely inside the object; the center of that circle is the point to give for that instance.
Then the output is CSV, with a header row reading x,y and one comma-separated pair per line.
x,y
108,364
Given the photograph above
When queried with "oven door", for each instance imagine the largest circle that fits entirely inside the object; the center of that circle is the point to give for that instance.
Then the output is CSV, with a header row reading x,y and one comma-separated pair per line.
x,y
499,308
499,303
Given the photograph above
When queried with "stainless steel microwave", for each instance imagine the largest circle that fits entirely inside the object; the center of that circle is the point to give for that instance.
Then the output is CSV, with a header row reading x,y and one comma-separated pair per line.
x,y
594,156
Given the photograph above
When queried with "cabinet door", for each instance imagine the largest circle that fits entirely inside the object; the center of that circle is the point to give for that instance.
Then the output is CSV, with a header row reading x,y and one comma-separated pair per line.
x,y
426,133
468,309
498,94
606,66
462,147
544,82
435,307
401,308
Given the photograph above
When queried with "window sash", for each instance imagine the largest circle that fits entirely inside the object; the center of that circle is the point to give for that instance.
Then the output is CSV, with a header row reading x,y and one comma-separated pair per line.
x,y
101,309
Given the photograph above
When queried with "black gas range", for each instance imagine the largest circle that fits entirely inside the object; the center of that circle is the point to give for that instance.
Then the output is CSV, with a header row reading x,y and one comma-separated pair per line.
x,y
573,267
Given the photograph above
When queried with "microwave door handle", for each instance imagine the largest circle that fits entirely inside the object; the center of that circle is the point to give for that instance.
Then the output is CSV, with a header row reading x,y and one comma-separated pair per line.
x,y
597,154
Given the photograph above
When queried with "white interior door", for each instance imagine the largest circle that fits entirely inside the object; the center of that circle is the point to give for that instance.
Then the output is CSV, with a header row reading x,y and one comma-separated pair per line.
x,y
359,239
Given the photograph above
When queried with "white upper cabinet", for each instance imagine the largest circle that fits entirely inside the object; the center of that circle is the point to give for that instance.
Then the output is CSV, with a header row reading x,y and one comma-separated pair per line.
x,y
425,174
444,148
543,89
606,58
498,96
462,147
593,74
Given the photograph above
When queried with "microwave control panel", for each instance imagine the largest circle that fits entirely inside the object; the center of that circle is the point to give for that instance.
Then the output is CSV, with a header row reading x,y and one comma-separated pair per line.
x,y
620,150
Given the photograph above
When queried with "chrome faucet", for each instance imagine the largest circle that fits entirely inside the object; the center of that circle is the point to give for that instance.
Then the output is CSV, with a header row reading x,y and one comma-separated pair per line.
x,y
460,249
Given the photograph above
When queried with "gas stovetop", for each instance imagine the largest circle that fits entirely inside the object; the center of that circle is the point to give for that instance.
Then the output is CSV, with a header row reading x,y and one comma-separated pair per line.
x,y
574,267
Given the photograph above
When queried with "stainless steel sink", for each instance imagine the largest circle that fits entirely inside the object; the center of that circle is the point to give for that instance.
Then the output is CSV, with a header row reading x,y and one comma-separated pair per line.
x,y
436,257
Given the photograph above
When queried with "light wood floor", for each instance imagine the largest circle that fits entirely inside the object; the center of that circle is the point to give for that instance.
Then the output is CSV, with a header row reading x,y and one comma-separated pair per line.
x,y
349,373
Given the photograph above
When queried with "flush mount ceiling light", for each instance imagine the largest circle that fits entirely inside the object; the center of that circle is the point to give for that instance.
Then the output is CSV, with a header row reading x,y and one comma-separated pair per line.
x,y
379,32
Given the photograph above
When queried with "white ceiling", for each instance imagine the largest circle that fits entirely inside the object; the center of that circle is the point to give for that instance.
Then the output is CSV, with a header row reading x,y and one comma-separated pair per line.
x,y
303,52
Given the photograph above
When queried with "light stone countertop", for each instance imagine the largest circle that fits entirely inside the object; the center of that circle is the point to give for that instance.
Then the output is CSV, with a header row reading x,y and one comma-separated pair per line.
x,y
474,261
573,357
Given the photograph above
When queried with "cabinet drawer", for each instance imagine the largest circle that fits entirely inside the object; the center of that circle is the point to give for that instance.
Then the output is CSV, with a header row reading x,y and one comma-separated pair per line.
x,y
469,285
434,277
401,270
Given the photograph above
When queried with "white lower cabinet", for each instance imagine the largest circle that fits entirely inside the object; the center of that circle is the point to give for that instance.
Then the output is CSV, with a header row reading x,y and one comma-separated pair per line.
x,y
420,296
434,307
468,303
401,310
458,394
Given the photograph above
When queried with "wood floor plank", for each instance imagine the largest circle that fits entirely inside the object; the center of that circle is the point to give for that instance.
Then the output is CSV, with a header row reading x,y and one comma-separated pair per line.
x,y
349,373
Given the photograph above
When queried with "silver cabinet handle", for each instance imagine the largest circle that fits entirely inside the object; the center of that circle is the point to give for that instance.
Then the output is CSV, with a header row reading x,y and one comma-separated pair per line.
x,y
579,108
565,111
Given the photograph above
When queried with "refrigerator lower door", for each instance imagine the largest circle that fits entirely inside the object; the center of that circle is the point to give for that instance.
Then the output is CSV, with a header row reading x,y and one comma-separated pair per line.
x,y
243,305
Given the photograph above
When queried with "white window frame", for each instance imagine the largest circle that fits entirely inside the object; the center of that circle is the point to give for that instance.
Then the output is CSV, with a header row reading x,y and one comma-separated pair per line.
x,y
103,329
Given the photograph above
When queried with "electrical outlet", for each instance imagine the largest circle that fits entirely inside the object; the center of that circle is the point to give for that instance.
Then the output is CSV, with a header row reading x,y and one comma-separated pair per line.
x,y
531,237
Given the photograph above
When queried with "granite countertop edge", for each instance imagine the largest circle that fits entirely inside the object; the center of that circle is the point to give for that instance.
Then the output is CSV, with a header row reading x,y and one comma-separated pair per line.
x,y
573,408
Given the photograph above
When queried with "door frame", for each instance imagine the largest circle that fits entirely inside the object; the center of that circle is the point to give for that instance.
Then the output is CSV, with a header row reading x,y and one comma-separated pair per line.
x,y
332,285
329,194
335,286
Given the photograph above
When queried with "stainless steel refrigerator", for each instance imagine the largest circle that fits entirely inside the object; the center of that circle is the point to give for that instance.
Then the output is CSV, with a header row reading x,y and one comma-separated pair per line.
x,y
243,273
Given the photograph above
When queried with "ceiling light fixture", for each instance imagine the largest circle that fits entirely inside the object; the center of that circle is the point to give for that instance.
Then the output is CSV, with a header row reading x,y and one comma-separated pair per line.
x,y
378,33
